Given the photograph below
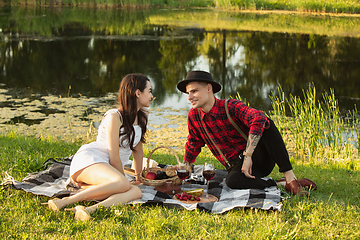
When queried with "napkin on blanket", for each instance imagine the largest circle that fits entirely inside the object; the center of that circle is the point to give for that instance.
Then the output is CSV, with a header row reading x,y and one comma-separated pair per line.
x,y
52,182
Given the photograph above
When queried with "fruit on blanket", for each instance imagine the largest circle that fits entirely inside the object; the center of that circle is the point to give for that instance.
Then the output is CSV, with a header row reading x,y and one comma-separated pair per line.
x,y
150,175
187,197
196,192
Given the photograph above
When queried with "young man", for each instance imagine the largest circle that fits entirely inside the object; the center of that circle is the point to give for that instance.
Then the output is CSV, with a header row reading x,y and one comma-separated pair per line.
x,y
248,148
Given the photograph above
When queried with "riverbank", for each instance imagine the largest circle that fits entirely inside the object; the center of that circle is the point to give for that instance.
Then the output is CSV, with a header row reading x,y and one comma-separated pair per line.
x,y
75,118
317,6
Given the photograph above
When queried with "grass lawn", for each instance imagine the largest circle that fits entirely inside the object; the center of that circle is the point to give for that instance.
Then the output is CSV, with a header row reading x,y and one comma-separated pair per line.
x,y
330,212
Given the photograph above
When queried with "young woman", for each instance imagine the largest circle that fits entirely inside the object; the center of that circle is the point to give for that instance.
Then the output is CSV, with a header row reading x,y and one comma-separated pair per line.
x,y
97,167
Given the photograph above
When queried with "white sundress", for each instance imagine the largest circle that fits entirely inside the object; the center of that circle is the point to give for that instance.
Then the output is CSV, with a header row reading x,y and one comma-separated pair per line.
x,y
97,151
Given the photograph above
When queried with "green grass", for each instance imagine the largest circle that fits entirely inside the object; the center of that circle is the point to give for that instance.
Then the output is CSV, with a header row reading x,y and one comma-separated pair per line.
x,y
328,6
332,211
262,21
319,6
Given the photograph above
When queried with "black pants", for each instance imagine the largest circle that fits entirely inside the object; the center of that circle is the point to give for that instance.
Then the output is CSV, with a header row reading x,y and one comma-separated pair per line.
x,y
270,150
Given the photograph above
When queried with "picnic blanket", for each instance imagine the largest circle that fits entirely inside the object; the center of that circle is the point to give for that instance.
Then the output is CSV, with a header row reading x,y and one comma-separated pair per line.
x,y
53,182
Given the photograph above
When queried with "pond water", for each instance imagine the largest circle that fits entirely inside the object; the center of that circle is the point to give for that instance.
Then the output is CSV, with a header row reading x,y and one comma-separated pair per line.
x,y
86,52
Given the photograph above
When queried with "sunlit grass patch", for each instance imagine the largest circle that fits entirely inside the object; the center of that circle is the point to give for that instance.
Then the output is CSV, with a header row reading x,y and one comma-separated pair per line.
x,y
24,154
323,6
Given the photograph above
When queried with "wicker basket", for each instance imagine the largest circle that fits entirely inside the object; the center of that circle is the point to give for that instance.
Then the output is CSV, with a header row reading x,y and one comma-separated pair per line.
x,y
175,180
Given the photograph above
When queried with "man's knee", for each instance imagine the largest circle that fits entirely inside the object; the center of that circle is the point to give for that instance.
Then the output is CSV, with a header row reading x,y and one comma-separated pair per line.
x,y
236,180
230,183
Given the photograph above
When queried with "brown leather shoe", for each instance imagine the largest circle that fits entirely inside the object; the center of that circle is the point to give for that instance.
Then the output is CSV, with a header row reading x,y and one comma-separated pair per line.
x,y
281,180
307,183
295,188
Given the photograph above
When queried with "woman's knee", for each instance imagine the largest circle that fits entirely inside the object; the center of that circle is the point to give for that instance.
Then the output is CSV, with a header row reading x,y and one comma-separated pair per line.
x,y
121,185
137,192
98,173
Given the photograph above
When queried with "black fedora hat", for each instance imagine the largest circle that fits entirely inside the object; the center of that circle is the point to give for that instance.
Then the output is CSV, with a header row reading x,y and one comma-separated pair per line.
x,y
198,76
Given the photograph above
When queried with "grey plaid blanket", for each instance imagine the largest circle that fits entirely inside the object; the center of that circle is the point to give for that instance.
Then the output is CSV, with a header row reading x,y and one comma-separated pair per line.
x,y
52,182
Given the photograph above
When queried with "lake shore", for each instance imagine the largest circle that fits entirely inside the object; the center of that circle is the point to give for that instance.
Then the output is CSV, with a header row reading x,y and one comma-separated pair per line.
x,y
314,6
75,119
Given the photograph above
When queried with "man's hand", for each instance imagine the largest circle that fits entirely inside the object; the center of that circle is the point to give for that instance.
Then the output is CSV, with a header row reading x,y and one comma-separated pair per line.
x,y
176,167
246,167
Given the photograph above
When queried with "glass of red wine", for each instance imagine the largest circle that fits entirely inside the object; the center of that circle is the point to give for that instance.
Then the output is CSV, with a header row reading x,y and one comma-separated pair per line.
x,y
183,172
208,174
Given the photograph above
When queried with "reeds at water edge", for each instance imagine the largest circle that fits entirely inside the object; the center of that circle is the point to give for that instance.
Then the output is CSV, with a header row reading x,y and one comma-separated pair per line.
x,y
315,131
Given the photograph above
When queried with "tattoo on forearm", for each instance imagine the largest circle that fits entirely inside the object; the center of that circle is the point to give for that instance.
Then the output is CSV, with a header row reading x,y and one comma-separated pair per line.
x,y
255,140
252,142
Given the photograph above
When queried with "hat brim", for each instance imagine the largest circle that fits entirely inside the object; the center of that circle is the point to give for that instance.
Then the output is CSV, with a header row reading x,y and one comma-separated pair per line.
x,y
182,84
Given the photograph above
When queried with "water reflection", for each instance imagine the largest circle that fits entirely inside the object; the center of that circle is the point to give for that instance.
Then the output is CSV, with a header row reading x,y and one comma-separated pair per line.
x,y
41,57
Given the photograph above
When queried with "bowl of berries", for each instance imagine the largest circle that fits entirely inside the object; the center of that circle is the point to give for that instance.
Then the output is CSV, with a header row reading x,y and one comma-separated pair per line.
x,y
184,197
194,196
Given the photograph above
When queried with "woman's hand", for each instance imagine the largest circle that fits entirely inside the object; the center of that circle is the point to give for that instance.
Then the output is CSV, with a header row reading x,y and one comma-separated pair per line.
x,y
246,167
136,182
138,157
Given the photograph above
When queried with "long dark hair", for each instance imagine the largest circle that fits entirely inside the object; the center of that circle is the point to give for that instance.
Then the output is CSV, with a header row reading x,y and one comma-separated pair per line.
x,y
128,107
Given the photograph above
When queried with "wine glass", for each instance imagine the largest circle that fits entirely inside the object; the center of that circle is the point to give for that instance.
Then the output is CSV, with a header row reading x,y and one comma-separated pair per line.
x,y
208,174
183,172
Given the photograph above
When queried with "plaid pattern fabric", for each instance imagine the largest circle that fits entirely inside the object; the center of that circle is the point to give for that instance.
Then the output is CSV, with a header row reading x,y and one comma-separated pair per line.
x,y
52,182
221,131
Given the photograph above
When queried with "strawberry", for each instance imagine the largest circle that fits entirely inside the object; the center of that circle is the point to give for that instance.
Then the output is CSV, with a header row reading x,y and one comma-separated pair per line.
x,y
185,198
197,198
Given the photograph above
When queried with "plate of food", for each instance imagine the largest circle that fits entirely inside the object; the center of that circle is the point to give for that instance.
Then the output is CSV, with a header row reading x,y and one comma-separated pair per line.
x,y
195,196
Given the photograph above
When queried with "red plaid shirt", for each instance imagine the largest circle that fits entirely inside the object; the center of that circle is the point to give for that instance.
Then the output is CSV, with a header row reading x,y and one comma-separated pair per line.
x,y
221,131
